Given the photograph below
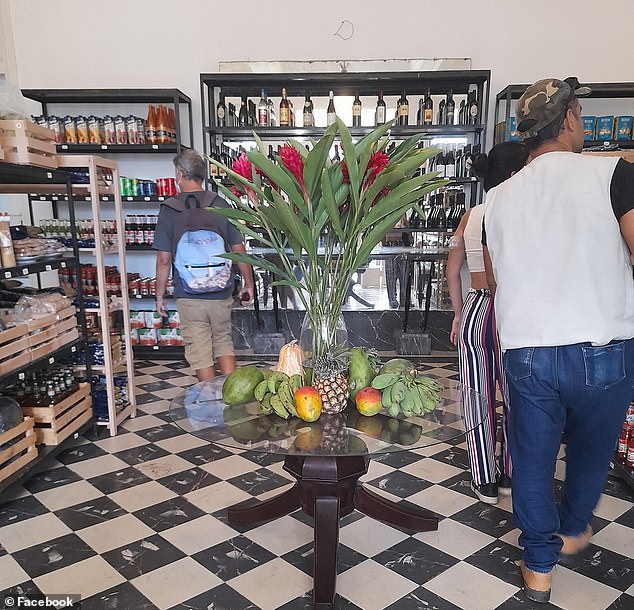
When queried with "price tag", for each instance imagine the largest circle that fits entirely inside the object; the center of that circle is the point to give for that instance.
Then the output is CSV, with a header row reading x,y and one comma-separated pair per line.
x,y
21,376
129,198
25,271
51,360
49,175
7,274
48,268
42,198
76,436
64,146
55,198
155,347
161,198
73,349
155,146
62,265
146,198
104,147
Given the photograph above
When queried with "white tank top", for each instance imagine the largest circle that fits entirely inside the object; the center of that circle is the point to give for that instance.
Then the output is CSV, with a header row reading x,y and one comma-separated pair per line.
x,y
562,267
473,240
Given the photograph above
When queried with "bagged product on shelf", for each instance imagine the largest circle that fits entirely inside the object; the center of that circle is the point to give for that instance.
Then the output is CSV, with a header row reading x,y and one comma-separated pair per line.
x,y
81,125
137,319
6,243
134,336
173,319
37,306
13,104
148,336
56,125
153,319
121,135
109,131
170,336
94,133
70,130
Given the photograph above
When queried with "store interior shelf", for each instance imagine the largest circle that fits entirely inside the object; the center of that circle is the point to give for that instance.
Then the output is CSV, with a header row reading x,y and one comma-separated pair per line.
x,y
139,248
83,198
89,149
13,174
148,297
622,472
614,90
106,96
159,351
599,144
61,262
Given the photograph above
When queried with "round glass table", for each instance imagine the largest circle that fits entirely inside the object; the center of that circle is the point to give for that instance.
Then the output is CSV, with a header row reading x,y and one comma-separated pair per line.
x,y
327,458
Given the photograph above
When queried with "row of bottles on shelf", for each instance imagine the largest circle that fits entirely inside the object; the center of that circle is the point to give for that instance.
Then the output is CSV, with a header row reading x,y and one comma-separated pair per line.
x,y
139,187
158,128
89,280
61,228
46,388
139,230
625,447
146,286
454,162
443,211
263,114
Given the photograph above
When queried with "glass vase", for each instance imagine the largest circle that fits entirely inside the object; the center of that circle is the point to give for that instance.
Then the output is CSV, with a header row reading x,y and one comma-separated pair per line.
x,y
319,334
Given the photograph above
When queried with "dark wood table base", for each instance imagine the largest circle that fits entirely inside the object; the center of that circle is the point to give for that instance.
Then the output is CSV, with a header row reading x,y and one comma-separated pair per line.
x,y
327,489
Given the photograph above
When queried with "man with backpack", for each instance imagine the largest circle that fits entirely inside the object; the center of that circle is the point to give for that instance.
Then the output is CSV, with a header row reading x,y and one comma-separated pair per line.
x,y
189,239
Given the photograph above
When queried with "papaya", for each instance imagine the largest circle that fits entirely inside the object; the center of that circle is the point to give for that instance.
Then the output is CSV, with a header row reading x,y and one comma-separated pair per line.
x,y
360,371
397,365
239,385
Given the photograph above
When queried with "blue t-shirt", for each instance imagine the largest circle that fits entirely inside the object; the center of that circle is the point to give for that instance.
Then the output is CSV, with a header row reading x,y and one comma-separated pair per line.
x,y
164,240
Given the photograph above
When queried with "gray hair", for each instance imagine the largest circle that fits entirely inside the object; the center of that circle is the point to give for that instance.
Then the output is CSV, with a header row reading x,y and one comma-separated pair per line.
x,y
191,164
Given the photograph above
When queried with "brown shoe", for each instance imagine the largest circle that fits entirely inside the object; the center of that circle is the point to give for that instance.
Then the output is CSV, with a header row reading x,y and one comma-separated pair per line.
x,y
575,544
536,584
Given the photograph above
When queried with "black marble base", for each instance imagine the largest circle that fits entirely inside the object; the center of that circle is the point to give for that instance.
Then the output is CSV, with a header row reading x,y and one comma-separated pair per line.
x,y
414,344
381,330
268,343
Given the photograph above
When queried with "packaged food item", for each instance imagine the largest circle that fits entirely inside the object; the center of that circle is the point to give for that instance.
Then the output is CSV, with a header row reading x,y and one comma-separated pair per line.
x,y
604,127
6,243
132,129
94,134
81,125
589,127
170,336
57,127
148,336
140,127
137,319
173,319
622,127
134,336
70,130
153,319
110,134
121,135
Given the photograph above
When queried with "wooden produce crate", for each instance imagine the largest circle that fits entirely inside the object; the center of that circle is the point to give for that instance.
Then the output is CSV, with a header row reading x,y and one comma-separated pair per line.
x,y
55,424
26,143
1,153
49,333
21,452
628,155
14,349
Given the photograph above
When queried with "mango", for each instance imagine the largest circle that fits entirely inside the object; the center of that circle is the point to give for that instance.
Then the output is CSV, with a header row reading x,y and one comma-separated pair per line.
x,y
239,385
368,401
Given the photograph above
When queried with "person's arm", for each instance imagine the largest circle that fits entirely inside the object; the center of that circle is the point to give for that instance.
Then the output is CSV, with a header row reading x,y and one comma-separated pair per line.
x,y
163,268
622,196
627,230
455,261
247,289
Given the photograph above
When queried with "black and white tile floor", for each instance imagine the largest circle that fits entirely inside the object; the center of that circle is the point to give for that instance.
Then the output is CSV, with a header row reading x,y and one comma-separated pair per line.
x,y
137,522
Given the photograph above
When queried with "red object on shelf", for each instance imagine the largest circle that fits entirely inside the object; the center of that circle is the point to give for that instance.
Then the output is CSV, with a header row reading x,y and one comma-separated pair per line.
x,y
629,462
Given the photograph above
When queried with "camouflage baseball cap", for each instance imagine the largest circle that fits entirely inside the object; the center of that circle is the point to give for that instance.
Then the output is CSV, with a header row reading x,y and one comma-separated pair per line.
x,y
545,101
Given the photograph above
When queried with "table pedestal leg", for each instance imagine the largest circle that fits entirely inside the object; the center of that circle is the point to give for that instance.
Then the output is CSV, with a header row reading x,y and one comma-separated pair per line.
x,y
273,508
325,551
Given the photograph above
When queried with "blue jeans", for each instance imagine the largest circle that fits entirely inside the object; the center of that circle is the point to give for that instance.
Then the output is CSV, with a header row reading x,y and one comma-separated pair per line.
x,y
585,390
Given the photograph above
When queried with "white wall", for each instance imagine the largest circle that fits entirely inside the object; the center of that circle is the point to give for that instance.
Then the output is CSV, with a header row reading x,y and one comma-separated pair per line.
x,y
161,43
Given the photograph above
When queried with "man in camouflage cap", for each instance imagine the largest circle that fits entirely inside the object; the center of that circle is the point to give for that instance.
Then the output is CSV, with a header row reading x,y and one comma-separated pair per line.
x,y
560,237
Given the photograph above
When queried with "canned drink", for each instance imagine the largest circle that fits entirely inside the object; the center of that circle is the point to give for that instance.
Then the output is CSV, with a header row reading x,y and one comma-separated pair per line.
x,y
124,186
110,134
160,187
134,187
56,127
172,191
151,187
140,127
94,133
121,135
70,130
131,129
81,124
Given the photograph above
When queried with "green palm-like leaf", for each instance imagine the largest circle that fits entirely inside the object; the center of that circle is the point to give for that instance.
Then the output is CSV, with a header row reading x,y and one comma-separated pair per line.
x,y
331,206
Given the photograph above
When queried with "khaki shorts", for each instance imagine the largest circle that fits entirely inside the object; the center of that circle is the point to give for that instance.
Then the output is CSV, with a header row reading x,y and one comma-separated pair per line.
x,y
206,330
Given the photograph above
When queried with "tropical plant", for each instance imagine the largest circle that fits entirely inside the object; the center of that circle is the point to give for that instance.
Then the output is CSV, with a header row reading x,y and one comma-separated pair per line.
x,y
301,197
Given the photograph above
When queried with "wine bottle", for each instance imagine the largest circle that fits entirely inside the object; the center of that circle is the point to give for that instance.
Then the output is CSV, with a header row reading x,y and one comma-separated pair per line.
x,y
285,112
441,115
272,117
402,110
472,108
150,125
309,117
331,113
231,115
462,113
420,113
379,114
336,156
356,111
450,108
450,164
441,223
243,116
460,208
263,110
428,118
221,114
271,155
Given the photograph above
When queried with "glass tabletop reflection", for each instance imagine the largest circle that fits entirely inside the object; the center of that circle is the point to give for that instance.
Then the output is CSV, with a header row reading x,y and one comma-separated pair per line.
x,y
200,411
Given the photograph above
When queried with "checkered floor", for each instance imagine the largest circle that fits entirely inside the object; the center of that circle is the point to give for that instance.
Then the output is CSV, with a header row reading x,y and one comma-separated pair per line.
x,y
138,521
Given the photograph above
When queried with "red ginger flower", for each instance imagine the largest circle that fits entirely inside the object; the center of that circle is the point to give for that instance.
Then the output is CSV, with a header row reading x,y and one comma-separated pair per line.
x,y
243,166
377,163
292,160
344,171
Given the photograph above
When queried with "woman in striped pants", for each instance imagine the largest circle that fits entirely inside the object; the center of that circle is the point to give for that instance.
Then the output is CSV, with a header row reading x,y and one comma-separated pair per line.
x,y
473,331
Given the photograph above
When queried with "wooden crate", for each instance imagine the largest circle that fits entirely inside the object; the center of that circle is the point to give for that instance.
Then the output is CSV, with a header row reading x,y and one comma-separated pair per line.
x,y
628,155
55,424
28,144
14,349
49,333
22,451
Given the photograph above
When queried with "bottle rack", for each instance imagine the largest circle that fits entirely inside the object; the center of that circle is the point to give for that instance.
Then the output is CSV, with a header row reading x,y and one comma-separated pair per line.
x,y
24,179
84,100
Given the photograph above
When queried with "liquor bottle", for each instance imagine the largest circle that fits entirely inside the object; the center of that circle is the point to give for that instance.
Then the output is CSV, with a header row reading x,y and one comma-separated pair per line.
x,y
442,216
450,164
309,117
467,161
356,111
231,115
379,113
461,208
459,172
331,116
161,130
450,108
451,211
271,155
150,125
221,113
462,113
624,438
441,117
253,114
272,116
263,110
285,113
402,110
472,108
336,157
432,217
428,117
243,116
291,113
171,116
440,164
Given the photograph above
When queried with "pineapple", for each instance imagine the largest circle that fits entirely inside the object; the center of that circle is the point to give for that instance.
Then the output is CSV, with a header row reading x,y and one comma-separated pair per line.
x,y
330,379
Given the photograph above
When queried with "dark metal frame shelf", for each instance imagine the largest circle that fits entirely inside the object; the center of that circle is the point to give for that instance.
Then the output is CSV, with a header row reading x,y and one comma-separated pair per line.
x,y
159,352
91,149
622,472
61,262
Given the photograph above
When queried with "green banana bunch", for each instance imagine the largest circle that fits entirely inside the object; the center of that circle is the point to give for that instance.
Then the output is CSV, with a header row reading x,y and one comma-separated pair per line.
x,y
275,394
406,393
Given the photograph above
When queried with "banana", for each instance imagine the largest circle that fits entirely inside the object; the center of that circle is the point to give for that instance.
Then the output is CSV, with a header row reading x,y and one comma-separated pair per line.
x,y
278,407
261,390
393,412
398,391
285,393
296,382
274,380
409,401
265,404
386,398
383,381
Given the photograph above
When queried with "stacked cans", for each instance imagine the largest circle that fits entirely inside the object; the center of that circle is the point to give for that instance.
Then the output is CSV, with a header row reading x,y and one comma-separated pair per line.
x,y
136,187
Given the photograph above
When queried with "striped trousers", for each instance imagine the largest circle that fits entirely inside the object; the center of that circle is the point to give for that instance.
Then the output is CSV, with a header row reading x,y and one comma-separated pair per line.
x,y
480,361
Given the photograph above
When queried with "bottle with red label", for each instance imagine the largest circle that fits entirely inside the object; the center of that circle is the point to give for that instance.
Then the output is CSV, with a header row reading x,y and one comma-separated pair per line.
x,y
622,446
629,461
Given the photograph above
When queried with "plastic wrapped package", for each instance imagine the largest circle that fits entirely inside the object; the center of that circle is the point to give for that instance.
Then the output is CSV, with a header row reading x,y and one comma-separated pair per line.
x,y
31,307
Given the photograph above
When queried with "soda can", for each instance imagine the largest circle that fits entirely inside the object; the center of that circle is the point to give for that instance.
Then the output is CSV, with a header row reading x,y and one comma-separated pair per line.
x,y
55,125
124,186
151,188
81,124
134,187
140,127
94,133
121,135
172,191
160,187
110,136
131,129
70,130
